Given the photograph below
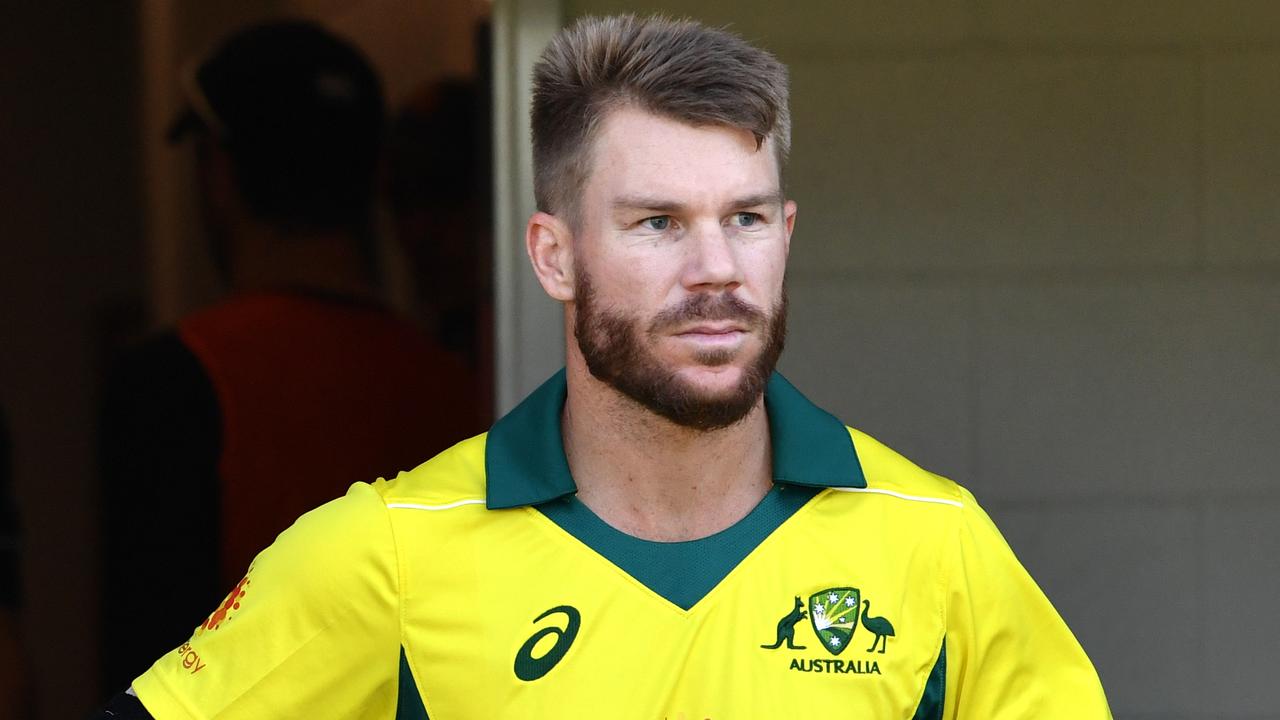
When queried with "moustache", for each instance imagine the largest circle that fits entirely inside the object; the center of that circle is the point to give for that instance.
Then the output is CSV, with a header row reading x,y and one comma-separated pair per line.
x,y
724,306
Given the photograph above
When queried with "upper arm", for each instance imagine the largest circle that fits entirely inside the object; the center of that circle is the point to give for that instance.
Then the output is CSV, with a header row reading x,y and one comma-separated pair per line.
x,y
311,631
1009,653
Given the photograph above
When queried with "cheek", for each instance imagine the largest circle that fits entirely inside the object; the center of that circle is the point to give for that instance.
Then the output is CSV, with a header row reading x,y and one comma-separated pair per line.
x,y
637,284
766,269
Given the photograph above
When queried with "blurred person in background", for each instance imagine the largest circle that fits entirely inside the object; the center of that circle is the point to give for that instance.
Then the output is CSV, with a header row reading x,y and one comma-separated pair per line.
x,y
217,433
442,190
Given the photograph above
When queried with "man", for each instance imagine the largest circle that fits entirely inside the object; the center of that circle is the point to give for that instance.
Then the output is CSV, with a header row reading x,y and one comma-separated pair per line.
x,y
666,528
438,185
217,434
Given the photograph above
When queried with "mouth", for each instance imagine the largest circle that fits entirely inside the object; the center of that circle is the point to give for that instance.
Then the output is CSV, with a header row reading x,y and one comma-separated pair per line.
x,y
713,333
712,328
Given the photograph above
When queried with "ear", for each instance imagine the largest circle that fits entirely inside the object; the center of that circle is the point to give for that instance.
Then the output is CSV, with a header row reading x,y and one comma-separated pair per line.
x,y
789,216
548,241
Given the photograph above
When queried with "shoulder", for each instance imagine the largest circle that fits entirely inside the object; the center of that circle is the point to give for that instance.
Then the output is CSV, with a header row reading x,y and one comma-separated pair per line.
x,y
901,503
344,528
264,315
888,472
455,476
237,312
955,516
339,555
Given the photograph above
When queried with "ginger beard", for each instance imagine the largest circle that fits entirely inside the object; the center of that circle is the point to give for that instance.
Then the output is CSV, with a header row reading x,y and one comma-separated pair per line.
x,y
617,352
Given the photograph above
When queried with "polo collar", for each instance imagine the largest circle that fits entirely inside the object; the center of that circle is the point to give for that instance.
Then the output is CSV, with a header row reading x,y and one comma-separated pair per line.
x,y
525,462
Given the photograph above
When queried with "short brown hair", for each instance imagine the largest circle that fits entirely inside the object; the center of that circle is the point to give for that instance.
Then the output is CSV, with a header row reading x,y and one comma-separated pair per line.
x,y
679,69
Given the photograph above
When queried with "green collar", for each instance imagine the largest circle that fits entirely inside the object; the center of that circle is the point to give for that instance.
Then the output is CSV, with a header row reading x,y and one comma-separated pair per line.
x,y
525,463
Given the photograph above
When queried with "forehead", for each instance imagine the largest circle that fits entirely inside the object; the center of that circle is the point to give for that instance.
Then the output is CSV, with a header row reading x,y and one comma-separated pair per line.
x,y
640,153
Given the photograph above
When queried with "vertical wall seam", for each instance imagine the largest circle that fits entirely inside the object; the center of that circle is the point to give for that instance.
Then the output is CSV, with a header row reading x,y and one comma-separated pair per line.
x,y
1200,247
504,305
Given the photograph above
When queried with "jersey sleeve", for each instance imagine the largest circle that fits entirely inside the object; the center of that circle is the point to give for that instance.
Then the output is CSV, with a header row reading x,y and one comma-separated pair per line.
x,y
1009,655
312,630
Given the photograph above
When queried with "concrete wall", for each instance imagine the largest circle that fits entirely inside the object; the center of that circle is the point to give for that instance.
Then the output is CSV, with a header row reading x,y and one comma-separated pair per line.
x,y
1037,251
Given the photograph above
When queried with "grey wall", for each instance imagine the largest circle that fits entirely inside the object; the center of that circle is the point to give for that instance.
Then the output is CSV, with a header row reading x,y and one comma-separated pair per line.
x,y
1037,252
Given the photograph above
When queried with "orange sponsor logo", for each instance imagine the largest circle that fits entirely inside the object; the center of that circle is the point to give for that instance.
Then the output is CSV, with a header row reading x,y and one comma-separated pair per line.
x,y
229,605
190,659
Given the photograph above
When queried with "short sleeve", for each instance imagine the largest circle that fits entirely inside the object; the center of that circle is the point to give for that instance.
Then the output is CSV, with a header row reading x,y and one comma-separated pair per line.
x,y
312,630
1009,655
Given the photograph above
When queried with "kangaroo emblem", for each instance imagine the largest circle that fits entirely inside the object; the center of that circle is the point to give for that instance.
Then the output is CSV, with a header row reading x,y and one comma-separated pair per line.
x,y
787,628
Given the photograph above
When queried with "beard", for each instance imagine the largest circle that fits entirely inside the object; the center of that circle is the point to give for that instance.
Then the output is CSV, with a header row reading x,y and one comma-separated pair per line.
x,y
618,353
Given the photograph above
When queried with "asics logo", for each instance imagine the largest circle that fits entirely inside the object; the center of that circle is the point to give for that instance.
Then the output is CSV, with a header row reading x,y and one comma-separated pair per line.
x,y
530,668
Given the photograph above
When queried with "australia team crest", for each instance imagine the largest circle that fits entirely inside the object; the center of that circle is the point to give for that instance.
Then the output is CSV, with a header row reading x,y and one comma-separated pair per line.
x,y
834,615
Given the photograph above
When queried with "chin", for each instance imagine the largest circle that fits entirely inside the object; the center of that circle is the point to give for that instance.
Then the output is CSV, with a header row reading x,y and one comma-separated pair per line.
x,y
711,380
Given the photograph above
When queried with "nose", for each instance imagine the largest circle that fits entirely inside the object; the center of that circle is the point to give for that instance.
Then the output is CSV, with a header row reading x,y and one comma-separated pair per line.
x,y
712,261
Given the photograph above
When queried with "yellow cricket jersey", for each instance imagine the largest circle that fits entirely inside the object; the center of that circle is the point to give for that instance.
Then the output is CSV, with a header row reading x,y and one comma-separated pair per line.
x,y
477,586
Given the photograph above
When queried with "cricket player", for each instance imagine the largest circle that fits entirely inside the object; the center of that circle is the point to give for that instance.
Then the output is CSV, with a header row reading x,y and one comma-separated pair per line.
x,y
667,528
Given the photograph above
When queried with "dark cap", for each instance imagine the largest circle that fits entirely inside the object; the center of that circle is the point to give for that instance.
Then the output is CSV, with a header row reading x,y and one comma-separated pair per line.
x,y
289,82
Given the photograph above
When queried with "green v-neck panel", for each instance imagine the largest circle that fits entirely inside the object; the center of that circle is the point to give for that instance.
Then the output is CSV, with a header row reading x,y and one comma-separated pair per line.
x,y
681,572
525,465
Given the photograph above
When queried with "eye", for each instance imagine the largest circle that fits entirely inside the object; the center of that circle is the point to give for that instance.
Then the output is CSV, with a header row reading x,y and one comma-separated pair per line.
x,y
657,222
746,219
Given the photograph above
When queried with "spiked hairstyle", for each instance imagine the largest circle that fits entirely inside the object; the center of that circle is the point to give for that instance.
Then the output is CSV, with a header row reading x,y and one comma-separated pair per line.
x,y
679,69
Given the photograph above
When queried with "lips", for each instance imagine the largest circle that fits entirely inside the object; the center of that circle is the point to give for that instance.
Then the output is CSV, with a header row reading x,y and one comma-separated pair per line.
x,y
713,329
721,336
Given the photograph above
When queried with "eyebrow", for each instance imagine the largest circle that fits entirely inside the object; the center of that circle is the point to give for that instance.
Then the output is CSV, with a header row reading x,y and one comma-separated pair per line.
x,y
660,204
637,202
769,198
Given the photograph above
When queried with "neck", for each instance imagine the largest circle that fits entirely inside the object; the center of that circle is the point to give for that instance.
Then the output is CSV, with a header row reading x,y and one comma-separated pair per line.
x,y
265,258
653,479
